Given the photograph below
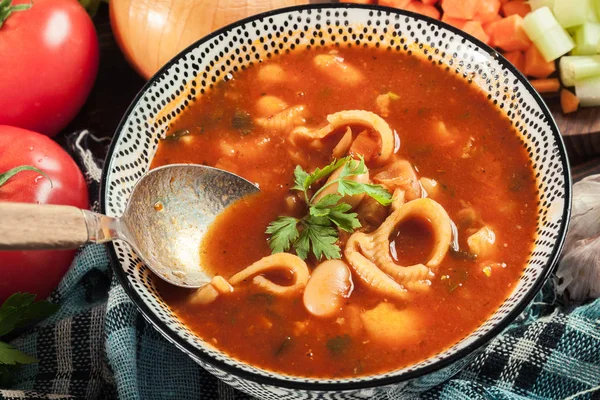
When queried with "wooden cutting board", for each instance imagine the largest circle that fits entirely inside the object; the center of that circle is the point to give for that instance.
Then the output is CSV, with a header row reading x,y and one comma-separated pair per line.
x,y
580,130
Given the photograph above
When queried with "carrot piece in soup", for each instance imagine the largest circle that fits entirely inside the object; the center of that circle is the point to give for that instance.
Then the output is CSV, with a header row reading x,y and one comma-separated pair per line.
x,y
475,29
517,7
516,58
535,65
365,145
548,85
508,34
430,2
568,101
464,9
423,9
394,3
487,11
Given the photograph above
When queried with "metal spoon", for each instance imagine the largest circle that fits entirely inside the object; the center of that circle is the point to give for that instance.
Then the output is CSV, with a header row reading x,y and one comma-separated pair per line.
x,y
168,213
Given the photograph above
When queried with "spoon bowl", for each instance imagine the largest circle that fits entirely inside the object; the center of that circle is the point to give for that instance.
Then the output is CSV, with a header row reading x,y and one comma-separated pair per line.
x,y
169,212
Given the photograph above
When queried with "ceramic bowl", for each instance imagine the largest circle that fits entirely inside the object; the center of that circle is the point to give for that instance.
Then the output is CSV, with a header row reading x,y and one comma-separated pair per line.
x,y
222,54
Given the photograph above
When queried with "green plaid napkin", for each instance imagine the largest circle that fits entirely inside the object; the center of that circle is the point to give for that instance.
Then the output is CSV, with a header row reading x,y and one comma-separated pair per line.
x,y
99,347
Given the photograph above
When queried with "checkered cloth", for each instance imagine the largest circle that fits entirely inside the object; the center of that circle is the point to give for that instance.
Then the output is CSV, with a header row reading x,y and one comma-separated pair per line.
x,y
99,347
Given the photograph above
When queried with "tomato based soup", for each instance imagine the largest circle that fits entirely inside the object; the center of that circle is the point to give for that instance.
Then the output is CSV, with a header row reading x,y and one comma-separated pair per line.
x,y
452,151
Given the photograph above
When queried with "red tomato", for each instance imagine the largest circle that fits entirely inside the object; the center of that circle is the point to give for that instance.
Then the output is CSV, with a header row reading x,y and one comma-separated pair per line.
x,y
49,63
37,272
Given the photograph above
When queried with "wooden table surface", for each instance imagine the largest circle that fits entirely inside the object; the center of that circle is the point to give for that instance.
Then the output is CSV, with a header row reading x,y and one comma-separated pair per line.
x,y
117,85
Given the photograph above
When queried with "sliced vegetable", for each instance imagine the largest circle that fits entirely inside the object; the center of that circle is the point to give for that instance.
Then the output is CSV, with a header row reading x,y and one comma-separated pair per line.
x,y
518,7
587,39
576,68
535,4
548,36
546,85
423,9
538,22
517,58
535,65
464,9
394,3
455,22
475,29
570,13
487,11
429,2
568,101
508,34
588,91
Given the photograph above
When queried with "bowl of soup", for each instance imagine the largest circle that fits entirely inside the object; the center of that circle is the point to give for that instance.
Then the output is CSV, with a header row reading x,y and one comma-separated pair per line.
x,y
414,197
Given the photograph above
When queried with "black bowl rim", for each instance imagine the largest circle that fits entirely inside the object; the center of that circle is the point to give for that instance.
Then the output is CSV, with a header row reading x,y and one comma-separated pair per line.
x,y
375,381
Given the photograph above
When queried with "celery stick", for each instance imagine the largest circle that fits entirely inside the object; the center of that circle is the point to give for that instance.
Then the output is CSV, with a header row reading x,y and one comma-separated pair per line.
x,y
537,22
588,91
587,38
571,12
577,68
593,13
535,4
555,43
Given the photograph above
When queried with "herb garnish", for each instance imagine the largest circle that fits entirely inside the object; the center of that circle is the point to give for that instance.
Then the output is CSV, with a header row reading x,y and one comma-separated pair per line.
x,y
19,310
316,231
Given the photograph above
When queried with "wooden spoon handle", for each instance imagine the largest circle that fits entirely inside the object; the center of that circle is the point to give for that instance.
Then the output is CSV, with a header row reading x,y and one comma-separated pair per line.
x,y
35,227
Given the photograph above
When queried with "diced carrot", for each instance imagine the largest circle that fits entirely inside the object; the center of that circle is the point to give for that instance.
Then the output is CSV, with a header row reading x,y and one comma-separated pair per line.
x,y
487,11
394,3
464,9
358,1
455,22
423,9
430,2
568,101
535,65
518,7
488,28
548,85
516,58
475,29
508,34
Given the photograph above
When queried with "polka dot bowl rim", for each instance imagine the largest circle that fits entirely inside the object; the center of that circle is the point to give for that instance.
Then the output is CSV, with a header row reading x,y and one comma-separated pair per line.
x,y
301,383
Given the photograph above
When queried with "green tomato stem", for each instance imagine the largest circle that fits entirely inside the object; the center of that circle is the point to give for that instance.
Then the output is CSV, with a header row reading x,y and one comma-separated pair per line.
x,y
6,9
12,172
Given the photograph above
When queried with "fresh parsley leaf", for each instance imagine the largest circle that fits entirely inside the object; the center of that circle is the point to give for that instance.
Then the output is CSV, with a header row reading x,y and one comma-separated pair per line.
x,y
318,231
322,239
323,207
284,232
11,356
18,300
353,167
346,221
17,311
20,309
300,178
304,180
377,192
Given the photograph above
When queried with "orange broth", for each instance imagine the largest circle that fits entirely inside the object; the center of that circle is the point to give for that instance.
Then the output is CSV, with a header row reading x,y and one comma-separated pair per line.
x,y
484,166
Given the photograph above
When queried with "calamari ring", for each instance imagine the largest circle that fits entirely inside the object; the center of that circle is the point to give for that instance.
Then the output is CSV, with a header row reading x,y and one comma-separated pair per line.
x,y
355,117
375,248
276,261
